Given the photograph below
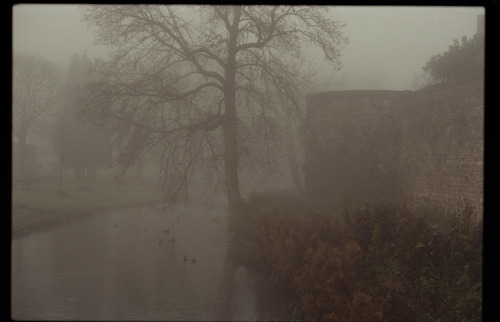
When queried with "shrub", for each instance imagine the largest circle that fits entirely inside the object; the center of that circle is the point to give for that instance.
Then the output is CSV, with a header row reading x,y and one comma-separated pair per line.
x,y
383,263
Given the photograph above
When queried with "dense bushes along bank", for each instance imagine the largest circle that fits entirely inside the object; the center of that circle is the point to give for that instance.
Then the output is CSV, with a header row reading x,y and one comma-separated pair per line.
x,y
380,263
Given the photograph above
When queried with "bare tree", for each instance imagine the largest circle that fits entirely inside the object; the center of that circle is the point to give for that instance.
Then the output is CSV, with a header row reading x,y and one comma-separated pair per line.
x,y
195,79
35,89
77,143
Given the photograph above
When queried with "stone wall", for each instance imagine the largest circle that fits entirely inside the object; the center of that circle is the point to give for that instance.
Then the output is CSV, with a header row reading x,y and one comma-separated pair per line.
x,y
352,146
443,144
424,146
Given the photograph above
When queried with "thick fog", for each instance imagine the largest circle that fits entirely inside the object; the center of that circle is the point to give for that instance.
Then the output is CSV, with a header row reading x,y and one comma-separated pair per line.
x,y
387,45
167,181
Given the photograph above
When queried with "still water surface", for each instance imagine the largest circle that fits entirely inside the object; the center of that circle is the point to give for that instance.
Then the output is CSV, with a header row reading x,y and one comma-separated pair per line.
x,y
125,265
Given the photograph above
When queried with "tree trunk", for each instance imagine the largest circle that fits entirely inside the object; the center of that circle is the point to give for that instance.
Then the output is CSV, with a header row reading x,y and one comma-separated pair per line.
x,y
22,145
292,156
61,173
231,163
61,166
230,149
230,122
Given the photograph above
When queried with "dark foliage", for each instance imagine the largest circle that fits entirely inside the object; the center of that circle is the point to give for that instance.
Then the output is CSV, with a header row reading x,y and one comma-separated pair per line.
x,y
382,263
460,59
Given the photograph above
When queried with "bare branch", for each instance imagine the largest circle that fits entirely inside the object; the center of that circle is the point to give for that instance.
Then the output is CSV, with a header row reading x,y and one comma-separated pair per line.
x,y
209,89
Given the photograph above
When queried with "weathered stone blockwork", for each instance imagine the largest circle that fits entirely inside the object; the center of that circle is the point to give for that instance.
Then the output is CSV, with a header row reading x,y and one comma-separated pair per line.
x,y
424,146
443,150
352,146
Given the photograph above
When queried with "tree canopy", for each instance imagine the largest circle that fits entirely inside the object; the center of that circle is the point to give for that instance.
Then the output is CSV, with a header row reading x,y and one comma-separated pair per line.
x,y
35,91
35,85
196,80
460,59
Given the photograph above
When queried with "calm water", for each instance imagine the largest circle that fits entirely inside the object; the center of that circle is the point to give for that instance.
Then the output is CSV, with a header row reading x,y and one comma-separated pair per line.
x,y
125,265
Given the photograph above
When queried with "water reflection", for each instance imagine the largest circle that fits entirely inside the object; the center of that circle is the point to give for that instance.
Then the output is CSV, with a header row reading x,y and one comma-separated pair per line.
x,y
121,266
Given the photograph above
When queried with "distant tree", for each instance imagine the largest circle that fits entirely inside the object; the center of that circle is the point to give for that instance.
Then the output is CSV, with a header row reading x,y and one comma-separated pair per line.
x,y
61,145
78,143
194,79
460,59
35,88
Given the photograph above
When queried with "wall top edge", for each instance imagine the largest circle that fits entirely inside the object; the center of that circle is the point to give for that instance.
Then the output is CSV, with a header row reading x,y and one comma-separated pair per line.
x,y
450,83
325,97
316,98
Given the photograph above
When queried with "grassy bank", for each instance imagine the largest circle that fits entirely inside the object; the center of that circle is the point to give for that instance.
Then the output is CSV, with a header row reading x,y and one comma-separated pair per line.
x,y
43,206
379,263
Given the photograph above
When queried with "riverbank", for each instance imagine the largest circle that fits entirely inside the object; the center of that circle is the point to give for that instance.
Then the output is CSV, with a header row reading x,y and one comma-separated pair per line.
x,y
42,207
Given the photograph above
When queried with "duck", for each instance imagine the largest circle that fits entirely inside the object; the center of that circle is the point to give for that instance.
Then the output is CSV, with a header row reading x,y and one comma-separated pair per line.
x,y
185,258
193,260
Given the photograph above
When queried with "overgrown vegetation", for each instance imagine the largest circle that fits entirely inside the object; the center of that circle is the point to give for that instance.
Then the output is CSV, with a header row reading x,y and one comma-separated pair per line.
x,y
380,263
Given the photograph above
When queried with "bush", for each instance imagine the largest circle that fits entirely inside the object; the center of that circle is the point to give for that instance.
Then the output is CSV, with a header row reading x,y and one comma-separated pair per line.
x,y
382,263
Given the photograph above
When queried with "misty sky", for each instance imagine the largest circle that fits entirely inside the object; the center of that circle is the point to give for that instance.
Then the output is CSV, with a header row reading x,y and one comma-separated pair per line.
x,y
387,45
